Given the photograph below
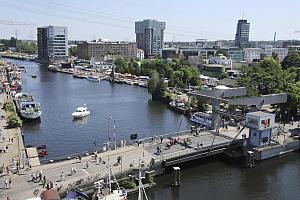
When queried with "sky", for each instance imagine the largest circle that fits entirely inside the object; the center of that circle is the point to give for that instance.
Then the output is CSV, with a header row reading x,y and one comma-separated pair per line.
x,y
186,20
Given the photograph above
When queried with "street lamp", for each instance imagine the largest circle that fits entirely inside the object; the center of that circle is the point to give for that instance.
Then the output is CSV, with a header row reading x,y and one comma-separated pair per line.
x,y
115,134
108,136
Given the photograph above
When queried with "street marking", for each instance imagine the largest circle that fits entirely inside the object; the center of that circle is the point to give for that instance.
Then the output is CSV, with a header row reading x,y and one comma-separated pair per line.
x,y
86,172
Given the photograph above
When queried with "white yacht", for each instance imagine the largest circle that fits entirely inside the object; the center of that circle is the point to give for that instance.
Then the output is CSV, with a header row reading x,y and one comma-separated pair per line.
x,y
81,111
201,118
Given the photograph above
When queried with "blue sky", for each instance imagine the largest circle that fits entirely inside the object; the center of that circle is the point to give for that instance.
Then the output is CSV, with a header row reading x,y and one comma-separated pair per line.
x,y
186,20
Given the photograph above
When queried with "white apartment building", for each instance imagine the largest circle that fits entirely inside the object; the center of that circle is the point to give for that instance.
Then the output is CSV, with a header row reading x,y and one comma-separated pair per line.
x,y
255,53
140,54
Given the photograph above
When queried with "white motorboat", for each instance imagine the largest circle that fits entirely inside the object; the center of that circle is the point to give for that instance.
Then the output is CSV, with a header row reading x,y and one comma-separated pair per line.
x,y
81,111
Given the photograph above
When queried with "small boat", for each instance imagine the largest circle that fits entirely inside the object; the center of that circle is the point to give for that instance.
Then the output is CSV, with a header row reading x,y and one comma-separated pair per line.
x,y
81,112
42,146
81,76
42,153
52,68
33,75
93,78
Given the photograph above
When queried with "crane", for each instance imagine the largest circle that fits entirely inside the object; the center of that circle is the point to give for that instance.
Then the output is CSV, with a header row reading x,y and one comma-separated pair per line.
x,y
12,23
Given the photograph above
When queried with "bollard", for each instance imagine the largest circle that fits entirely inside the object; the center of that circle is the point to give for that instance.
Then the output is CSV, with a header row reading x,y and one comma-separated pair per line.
x,y
176,177
250,159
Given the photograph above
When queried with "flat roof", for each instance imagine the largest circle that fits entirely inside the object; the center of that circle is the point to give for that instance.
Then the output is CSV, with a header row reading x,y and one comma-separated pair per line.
x,y
260,114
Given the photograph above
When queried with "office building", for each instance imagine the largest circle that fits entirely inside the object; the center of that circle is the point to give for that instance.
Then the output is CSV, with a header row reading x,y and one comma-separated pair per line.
x,y
236,54
242,34
150,36
99,49
52,43
256,53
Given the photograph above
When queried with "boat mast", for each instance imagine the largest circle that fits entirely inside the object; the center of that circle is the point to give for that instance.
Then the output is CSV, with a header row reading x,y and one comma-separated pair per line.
x,y
142,191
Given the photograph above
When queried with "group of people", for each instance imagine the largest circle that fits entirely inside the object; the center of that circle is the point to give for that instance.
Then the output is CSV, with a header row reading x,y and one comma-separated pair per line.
x,y
171,142
7,183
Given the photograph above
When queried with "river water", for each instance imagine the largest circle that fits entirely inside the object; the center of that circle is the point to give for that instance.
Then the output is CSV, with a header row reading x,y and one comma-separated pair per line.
x,y
130,107
134,112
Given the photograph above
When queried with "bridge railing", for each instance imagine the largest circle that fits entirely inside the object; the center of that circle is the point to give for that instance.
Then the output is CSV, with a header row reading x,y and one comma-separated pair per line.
x,y
192,150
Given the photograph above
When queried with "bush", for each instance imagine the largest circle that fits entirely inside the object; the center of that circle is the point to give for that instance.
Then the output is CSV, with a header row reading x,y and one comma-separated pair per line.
x,y
14,121
9,106
129,184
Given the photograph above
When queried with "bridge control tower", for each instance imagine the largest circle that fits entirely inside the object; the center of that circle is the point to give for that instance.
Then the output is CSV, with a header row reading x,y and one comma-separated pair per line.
x,y
260,126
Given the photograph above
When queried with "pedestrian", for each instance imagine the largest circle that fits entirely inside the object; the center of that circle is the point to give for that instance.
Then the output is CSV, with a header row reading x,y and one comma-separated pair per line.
x,y
47,186
62,176
161,139
40,176
44,183
9,183
79,158
32,177
7,169
74,169
5,184
12,140
51,185
87,164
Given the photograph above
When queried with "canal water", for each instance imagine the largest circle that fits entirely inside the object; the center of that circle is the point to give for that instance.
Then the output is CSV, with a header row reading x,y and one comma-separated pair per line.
x,y
274,179
130,108
134,112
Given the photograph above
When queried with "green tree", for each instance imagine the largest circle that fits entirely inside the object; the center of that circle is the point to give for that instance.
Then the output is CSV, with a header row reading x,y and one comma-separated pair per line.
x,y
291,60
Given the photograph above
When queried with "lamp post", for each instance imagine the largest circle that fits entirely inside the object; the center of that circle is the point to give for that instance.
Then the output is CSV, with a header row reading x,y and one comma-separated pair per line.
x,y
108,136
115,134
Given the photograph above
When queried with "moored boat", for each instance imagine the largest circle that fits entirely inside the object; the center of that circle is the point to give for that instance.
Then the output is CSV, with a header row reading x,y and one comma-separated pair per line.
x,y
93,78
27,107
42,153
52,68
203,119
42,146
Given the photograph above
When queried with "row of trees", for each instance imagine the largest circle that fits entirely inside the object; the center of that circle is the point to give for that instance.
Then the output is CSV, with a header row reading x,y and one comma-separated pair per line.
x,y
24,46
13,120
176,73
269,76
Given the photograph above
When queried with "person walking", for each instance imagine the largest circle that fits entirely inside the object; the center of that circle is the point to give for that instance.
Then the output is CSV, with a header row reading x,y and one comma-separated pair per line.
x,y
62,176
87,164
9,183
51,185
5,184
